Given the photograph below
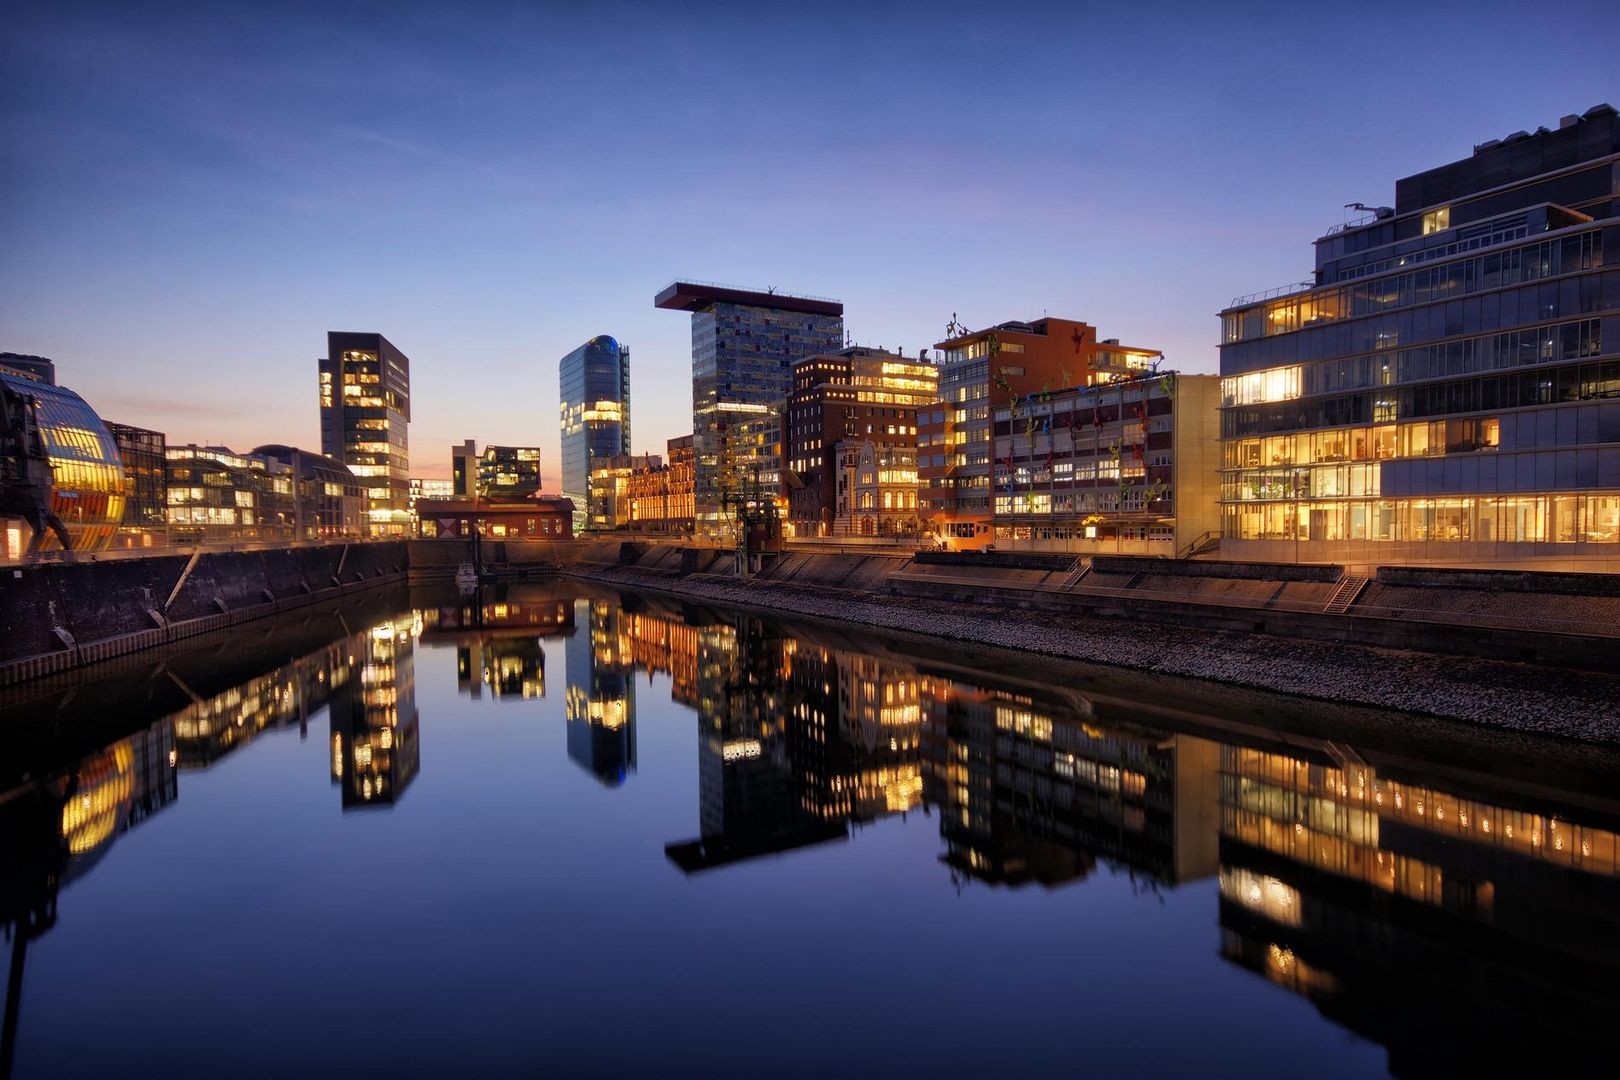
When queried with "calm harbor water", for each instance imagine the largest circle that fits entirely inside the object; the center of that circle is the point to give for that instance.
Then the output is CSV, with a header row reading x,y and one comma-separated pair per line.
x,y
538,831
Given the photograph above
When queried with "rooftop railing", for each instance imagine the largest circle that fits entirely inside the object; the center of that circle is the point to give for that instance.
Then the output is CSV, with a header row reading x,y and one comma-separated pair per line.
x,y
1272,294
752,289
1352,223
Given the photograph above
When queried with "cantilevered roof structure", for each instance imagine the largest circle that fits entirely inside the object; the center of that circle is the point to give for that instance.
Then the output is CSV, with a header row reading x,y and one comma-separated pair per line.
x,y
684,295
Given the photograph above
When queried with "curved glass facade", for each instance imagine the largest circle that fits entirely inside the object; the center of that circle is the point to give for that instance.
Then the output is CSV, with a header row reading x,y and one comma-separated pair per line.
x,y
87,490
595,405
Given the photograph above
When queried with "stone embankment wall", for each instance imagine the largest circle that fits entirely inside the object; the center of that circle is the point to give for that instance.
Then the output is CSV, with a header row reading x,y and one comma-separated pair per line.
x,y
58,616
1257,626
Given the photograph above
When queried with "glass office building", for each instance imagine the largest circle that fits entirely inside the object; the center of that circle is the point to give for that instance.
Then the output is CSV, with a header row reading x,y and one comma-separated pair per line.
x,y
365,385
145,522
1446,389
57,458
744,345
595,407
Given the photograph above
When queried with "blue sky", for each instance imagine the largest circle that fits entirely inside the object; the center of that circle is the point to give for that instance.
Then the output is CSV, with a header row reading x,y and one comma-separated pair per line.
x,y
194,194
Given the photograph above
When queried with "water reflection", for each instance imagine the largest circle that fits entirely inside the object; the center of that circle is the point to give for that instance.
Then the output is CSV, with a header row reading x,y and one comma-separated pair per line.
x,y
1442,909
375,742
499,641
601,708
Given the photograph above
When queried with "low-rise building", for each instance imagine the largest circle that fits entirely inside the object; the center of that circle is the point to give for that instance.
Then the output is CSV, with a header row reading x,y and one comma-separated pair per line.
x,y
217,496
877,490
1130,466
660,493
329,502
546,517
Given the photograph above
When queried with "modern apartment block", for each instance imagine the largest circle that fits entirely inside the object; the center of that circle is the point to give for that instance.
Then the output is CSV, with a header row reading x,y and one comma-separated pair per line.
x,y
1444,390
1127,467
145,522
998,367
329,502
218,496
853,406
365,386
595,415
744,344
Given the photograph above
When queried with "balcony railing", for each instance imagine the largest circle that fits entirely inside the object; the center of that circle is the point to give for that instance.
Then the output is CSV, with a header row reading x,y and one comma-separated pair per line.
x,y
1271,294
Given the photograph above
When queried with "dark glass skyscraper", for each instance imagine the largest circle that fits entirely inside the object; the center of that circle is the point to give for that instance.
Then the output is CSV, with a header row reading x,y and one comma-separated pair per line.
x,y
601,702
365,407
595,407
1444,389
744,344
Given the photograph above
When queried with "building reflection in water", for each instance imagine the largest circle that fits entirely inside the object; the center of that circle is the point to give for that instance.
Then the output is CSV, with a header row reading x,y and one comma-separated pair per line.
x,y
212,727
498,634
1445,911
1034,786
54,831
601,705
1446,921
800,740
375,747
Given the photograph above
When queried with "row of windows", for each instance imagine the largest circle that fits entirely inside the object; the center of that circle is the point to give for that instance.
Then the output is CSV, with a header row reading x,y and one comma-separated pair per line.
x,y
1575,382
1548,344
1423,439
1503,233
1128,500
1505,309
1530,262
1537,519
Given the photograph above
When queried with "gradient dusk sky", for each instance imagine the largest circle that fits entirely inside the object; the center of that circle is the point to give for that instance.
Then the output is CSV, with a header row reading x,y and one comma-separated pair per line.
x,y
194,194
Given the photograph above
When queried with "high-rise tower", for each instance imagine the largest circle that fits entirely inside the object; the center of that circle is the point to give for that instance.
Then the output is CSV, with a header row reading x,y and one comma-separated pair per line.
x,y
744,344
365,408
595,414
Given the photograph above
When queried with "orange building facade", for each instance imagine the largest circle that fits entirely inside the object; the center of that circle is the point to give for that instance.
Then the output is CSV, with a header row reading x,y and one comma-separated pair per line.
x,y
661,494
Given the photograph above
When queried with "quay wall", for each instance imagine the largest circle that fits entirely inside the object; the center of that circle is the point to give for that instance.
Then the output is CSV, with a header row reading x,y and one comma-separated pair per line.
x,y
1501,652
58,616
1555,619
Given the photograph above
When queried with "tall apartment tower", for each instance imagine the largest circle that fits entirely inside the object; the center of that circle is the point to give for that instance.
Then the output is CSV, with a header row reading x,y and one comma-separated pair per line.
x,y
365,408
595,415
744,345
1444,389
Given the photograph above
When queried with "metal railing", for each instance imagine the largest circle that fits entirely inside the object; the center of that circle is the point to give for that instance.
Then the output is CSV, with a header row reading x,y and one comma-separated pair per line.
x,y
750,288
1199,544
42,558
1271,294
1352,223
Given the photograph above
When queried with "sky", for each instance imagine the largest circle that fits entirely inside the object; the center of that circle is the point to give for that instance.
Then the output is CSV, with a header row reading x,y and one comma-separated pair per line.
x,y
193,194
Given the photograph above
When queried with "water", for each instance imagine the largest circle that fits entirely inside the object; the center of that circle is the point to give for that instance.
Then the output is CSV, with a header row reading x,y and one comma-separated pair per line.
x,y
541,831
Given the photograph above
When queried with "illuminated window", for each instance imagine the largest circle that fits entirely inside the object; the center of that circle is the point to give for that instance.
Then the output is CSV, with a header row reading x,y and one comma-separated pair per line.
x,y
1437,220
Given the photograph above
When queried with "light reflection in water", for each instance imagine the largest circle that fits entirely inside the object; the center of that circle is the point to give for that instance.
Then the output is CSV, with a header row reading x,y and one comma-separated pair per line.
x,y
1401,899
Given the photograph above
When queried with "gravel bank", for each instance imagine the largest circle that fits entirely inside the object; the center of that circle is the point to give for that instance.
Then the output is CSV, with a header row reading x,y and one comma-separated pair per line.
x,y
1519,697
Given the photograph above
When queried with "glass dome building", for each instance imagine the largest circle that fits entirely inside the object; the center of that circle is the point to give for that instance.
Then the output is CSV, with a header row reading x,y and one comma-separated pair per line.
x,y
59,466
